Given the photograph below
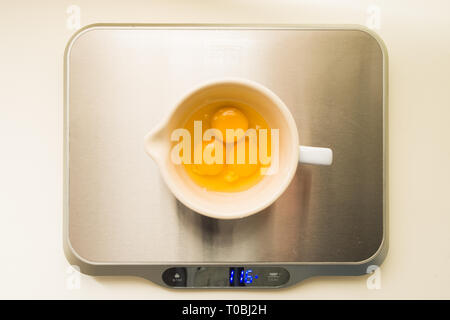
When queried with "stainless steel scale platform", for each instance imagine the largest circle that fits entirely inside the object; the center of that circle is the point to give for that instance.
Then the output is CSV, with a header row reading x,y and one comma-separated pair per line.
x,y
119,217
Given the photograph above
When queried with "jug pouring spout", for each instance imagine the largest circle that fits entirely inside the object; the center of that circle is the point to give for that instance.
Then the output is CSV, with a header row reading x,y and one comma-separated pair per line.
x,y
155,143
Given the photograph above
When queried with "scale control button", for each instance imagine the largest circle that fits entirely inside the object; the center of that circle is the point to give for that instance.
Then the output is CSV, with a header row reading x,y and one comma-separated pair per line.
x,y
175,277
273,276
270,276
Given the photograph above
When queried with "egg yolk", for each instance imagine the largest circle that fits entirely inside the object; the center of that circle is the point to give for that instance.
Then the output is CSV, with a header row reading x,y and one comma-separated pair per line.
x,y
230,118
242,166
209,165
239,171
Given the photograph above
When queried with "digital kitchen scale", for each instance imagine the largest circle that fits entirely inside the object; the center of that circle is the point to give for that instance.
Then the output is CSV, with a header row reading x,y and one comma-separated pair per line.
x,y
120,218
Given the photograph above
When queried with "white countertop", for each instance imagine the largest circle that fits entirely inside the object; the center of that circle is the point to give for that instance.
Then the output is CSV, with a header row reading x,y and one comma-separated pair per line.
x,y
33,37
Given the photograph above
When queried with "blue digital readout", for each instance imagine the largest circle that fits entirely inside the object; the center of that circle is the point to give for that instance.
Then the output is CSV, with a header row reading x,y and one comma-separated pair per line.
x,y
239,276
231,276
248,276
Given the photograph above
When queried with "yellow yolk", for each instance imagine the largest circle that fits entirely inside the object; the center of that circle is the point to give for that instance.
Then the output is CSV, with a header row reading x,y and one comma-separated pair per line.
x,y
226,177
229,118
242,166
209,166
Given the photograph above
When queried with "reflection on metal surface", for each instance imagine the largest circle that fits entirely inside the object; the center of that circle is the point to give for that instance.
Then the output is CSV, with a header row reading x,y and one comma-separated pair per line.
x,y
123,81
